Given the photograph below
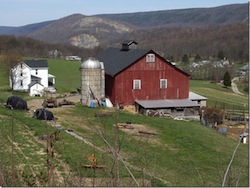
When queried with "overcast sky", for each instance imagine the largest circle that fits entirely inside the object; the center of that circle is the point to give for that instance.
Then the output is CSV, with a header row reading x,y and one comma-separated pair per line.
x,y
23,12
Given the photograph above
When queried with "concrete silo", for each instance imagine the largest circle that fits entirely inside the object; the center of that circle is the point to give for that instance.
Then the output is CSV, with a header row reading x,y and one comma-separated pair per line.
x,y
92,81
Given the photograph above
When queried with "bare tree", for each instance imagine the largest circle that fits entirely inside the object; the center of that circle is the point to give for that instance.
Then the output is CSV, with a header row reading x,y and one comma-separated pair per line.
x,y
9,60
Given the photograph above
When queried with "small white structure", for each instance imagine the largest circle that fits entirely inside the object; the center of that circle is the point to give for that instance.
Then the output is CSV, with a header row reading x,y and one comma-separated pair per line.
x,y
202,101
31,76
73,58
244,138
36,89
92,81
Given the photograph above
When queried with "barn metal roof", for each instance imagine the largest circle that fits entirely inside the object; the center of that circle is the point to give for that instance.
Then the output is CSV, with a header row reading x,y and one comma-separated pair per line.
x,y
195,96
37,63
174,103
115,60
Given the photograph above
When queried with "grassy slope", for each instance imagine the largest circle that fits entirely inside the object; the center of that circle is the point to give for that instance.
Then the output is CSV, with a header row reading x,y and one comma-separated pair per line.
x,y
185,153
67,74
182,153
219,96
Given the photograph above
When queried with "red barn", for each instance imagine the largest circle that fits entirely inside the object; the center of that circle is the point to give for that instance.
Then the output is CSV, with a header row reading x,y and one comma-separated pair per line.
x,y
135,75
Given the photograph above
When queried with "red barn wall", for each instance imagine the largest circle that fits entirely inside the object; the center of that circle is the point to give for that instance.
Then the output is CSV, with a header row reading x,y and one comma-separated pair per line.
x,y
150,75
109,88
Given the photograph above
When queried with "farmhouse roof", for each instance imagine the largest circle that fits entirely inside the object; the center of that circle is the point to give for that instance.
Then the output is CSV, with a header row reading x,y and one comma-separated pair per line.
x,y
34,83
177,103
35,78
116,60
37,63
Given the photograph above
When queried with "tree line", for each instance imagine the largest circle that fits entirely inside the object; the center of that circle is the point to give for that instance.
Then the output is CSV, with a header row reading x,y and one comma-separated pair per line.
x,y
206,42
25,46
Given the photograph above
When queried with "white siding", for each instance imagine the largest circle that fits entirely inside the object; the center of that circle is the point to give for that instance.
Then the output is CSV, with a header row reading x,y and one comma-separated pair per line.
x,y
41,73
21,77
36,89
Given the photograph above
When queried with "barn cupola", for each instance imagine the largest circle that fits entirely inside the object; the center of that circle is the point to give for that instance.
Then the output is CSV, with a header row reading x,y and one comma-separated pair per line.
x,y
126,45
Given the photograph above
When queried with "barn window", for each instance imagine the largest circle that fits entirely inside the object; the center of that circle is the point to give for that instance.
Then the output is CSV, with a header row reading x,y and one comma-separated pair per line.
x,y
36,71
21,83
137,84
21,74
163,83
150,58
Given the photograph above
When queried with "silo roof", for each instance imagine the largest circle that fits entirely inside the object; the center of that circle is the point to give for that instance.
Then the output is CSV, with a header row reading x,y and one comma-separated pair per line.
x,y
91,63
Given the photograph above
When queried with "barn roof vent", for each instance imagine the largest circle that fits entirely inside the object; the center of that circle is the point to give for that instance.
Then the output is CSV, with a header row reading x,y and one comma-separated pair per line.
x,y
126,44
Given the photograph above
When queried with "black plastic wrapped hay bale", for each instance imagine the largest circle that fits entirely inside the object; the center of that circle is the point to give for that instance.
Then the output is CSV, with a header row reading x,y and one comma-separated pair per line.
x,y
43,114
16,103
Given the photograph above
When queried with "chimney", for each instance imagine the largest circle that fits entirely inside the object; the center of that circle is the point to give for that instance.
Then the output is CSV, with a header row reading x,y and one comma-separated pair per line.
x,y
126,44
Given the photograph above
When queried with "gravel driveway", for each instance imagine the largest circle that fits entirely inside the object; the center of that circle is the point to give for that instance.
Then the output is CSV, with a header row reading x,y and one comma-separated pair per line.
x,y
234,86
37,103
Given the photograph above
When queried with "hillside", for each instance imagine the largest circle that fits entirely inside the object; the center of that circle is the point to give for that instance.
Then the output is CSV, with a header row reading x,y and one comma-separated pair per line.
x,y
179,153
172,33
23,30
81,31
193,17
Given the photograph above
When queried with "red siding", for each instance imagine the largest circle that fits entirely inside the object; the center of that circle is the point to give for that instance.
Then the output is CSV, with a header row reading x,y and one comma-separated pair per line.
x,y
150,75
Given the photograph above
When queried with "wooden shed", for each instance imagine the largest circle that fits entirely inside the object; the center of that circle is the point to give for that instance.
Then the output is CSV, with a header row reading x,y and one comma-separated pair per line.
x,y
139,74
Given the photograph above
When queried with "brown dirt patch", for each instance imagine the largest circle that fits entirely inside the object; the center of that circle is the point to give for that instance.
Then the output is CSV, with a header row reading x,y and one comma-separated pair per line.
x,y
130,108
142,132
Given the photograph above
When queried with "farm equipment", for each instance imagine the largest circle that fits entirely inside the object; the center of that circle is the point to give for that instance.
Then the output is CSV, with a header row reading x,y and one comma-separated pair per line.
x,y
49,102
93,162
66,102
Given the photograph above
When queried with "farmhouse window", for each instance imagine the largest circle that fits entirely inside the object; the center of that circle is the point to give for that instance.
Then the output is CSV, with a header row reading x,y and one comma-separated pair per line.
x,y
21,83
150,58
137,84
163,83
36,71
21,74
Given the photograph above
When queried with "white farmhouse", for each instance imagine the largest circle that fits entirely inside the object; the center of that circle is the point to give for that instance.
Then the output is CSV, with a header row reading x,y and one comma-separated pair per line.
x,y
31,76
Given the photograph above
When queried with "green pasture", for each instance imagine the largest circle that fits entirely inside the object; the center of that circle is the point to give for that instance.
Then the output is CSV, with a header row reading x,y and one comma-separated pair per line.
x,y
179,154
68,75
219,96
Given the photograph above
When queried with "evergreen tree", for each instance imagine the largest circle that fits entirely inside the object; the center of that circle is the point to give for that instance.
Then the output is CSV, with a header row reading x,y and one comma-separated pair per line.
x,y
185,59
221,55
227,79
197,58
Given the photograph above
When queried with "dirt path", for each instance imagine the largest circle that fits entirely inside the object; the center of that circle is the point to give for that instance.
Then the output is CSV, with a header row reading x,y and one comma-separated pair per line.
x,y
234,86
37,103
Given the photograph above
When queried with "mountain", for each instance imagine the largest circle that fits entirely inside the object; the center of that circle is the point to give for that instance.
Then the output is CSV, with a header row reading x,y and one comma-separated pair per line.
x,y
159,30
81,31
194,17
23,30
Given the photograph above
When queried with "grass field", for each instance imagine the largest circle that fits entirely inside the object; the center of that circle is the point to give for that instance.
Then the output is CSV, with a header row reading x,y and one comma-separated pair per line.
x,y
68,76
181,153
218,96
